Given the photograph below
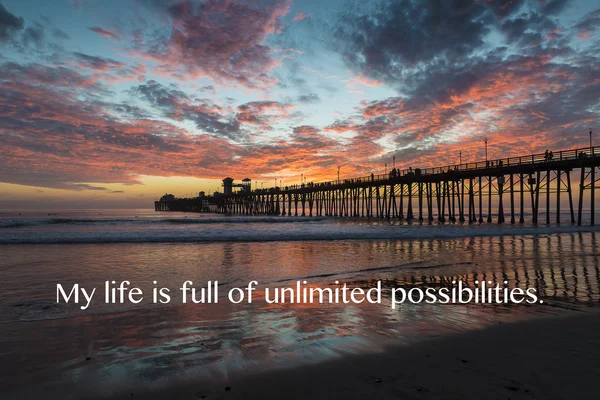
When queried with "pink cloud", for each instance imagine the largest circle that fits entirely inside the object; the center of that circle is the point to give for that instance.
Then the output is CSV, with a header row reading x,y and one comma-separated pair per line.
x,y
105,32
584,35
300,16
224,40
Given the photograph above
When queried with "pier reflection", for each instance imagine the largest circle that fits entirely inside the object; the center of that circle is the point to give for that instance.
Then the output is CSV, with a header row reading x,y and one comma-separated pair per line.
x,y
151,344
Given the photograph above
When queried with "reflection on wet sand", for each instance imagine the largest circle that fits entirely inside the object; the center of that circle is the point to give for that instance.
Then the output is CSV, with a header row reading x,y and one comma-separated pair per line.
x,y
110,352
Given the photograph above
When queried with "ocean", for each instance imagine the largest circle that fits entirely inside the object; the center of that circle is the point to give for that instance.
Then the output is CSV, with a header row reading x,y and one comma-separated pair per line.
x,y
109,349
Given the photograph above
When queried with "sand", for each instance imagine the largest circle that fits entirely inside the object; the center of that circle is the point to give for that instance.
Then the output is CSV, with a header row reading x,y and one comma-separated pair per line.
x,y
556,358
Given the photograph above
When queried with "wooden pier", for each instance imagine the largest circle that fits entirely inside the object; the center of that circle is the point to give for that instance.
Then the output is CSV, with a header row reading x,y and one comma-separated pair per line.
x,y
205,204
460,192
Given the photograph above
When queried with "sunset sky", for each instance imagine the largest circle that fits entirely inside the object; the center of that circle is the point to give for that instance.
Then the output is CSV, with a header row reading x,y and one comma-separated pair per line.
x,y
110,103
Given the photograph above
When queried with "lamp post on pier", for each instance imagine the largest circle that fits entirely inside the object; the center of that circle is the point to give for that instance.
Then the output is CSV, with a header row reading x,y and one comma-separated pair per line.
x,y
394,161
460,157
338,175
486,154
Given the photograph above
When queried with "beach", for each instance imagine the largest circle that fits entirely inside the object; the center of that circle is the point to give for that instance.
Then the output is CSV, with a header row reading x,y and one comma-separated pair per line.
x,y
542,359
111,350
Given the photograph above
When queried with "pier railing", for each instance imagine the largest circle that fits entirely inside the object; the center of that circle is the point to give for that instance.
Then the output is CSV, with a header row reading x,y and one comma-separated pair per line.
x,y
531,159
453,192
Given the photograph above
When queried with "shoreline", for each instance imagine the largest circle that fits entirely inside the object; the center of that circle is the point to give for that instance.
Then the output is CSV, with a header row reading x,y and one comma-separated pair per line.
x,y
448,232
542,358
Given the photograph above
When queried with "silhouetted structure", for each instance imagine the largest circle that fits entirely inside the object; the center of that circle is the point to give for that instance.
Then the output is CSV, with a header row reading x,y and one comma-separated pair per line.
x,y
450,193
228,185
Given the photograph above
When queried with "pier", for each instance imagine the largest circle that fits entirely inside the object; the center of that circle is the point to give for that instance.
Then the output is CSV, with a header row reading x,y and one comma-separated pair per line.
x,y
458,192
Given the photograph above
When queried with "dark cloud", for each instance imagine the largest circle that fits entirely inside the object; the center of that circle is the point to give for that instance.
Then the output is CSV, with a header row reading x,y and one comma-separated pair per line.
x,y
539,86
95,62
60,34
262,113
34,35
160,95
222,39
51,137
60,125
85,186
503,8
527,29
208,117
401,42
309,98
516,99
403,33
589,22
9,23
108,69
309,137
554,7
128,111
208,88
258,106
14,31
35,74
433,53
105,32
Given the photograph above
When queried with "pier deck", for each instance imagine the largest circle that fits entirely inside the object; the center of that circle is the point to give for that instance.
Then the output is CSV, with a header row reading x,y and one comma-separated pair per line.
x,y
458,192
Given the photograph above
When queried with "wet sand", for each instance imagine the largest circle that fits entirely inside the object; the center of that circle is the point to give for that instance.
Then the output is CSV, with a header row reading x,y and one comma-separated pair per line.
x,y
259,350
553,358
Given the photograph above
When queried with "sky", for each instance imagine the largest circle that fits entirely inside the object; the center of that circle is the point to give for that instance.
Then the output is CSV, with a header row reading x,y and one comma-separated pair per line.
x,y
114,103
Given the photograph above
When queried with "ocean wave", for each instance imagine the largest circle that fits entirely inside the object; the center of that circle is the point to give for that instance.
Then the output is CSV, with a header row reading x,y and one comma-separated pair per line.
x,y
19,223
337,233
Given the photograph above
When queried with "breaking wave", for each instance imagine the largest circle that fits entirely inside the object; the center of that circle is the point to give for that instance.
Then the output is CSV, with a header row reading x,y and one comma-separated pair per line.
x,y
19,223
316,232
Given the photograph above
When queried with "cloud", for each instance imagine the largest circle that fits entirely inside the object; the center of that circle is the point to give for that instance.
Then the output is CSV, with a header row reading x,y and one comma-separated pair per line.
x,y
60,34
513,71
309,98
399,41
105,32
589,23
52,137
58,77
78,3
9,23
34,35
263,113
225,40
207,116
309,137
514,102
407,32
107,69
300,16
85,186
554,7
56,132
